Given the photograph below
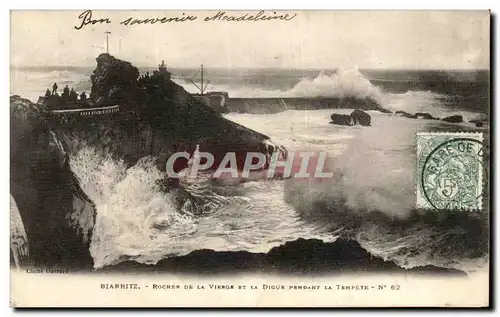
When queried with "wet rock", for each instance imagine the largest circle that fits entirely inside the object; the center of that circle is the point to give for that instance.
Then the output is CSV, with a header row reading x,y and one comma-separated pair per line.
x,y
175,119
114,82
356,117
454,119
424,115
406,114
477,123
309,256
360,117
383,110
341,119
57,215
156,118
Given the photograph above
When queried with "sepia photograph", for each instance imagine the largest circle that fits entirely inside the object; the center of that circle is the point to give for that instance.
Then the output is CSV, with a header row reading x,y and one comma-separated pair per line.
x,y
223,158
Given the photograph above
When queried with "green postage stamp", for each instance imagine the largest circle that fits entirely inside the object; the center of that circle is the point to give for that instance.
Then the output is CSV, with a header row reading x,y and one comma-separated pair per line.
x,y
450,171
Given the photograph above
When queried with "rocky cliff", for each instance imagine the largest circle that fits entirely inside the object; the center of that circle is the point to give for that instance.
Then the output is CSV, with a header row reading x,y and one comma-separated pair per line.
x,y
164,115
57,215
157,117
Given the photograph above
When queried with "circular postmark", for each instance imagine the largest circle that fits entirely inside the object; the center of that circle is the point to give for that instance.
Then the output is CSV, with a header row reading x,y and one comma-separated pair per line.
x,y
452,173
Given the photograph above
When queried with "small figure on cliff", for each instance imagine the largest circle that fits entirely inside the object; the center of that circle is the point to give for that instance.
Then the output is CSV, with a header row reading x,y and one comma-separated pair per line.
x,y
47,93
54,89
65,94
73,96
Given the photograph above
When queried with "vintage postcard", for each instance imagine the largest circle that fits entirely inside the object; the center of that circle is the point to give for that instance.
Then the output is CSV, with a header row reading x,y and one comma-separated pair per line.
x,y
250,158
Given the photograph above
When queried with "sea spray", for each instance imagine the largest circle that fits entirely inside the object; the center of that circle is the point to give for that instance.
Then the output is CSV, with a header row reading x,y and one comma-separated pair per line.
x,y
130,205
372,199
265,219
343,83
348,82
138,221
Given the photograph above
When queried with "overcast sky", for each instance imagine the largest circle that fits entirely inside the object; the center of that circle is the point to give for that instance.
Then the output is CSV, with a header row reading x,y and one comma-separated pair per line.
x,y
313,39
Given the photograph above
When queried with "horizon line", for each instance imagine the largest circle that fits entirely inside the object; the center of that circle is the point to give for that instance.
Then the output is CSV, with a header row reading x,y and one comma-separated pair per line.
x,y
25,67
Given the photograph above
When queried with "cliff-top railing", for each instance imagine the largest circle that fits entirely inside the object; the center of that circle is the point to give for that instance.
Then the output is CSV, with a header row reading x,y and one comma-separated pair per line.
x,y
88,111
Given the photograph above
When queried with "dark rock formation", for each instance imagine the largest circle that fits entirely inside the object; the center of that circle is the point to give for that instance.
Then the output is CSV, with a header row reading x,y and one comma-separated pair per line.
x,y
341,119
361,117
406,114
356,117
175,119
299,256
427,116
57,215
114,82
157,118
424,115
383,110
477,123
454,119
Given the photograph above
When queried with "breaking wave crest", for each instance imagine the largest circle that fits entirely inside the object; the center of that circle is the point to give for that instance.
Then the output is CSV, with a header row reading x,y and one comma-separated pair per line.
x,y
342,83
372,198
138,221
130,208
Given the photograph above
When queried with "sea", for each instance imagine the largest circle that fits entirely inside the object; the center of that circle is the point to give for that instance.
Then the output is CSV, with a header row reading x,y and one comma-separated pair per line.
x,y
372,200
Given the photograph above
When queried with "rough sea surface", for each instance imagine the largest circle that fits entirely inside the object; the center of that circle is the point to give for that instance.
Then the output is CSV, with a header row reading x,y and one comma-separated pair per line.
x,y
370,199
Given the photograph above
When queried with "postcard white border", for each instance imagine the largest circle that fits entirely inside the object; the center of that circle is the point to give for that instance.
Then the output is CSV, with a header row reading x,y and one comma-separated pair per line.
x,y
196,4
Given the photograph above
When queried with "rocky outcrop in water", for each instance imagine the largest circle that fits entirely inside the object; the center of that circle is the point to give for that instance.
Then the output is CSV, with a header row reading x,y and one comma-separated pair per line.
x,y
478,123
454,119
360,117
175,119
406,114
157,118
425,115
301,256
114,82
341,119
357,117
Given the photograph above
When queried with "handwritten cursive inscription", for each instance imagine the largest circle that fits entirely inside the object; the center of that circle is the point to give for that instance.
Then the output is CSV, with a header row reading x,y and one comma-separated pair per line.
x,y
182,18
86,19
260,16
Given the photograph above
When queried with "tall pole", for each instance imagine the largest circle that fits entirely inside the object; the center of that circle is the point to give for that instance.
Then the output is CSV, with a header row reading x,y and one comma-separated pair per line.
x,y
107,41
202,88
